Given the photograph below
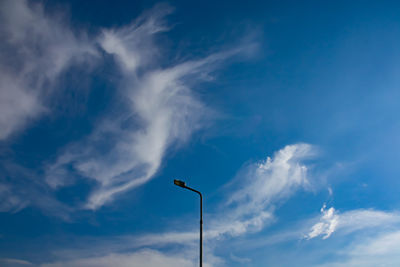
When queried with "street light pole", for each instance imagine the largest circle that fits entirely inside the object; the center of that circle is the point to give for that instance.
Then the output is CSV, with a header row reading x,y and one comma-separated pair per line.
x,y
183,185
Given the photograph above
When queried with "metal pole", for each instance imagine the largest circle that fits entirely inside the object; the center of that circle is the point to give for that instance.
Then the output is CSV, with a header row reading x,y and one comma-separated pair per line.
x,y
201,223
182,184
201,230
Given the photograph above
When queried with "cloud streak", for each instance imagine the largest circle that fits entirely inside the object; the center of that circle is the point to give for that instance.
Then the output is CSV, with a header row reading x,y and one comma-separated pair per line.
x,y
377,250
34,50
145,257
157,110
327,224
243,215
8,262
259,187
350,221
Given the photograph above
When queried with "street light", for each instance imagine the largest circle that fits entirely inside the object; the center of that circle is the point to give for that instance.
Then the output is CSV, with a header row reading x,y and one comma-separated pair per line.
x,y
183,185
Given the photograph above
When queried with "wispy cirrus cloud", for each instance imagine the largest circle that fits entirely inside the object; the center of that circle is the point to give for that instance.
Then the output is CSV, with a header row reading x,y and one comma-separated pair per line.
x,y
242,215
327,224
9,262
360,237
366,237
258,188
9,200
284,173
21,187
332,225
134,46
350,221
34,50
368,248
144,257
380,249
157,110
264,183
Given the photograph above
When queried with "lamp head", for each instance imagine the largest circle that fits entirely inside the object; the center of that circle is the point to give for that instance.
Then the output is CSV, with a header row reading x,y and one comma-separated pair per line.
x,y
179,183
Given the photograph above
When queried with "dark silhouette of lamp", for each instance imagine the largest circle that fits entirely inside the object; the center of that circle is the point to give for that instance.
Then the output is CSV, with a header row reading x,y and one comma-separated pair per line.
x,y
183,185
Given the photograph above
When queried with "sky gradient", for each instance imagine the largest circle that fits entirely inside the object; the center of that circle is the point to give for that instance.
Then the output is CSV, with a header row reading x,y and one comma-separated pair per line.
x,y
283,114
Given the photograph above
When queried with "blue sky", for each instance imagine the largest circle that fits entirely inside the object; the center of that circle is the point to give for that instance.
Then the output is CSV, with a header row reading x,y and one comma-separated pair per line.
x,y
283,114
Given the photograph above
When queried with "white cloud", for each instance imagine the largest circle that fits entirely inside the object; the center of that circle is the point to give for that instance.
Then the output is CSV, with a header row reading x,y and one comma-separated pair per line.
x,y
351,221
352,238
375,248
17,104
330,191
327,224
360,219
261,186
34,50
157,109
243,215
9,201
239,259
144,257
273,179
134,45
21,187
257,188
8,262
384,244
165,239
370,251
